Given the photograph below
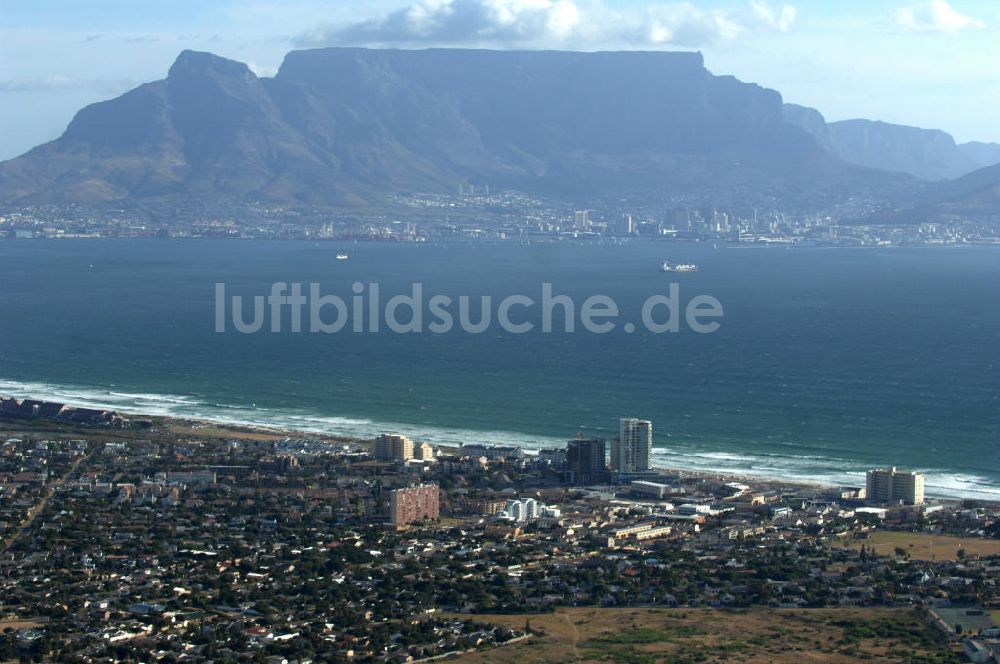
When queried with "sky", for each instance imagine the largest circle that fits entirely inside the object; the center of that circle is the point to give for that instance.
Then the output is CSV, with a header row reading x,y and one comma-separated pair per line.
x,y
926,63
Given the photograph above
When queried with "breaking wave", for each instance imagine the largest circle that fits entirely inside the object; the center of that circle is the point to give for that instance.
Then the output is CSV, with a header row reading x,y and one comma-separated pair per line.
x,y
812,469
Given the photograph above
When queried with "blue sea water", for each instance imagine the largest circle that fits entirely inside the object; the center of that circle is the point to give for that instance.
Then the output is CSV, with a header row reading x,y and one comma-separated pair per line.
x,y
827,361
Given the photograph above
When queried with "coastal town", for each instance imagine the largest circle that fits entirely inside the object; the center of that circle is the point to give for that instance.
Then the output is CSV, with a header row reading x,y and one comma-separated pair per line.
x,y
500,332
131,539
477,214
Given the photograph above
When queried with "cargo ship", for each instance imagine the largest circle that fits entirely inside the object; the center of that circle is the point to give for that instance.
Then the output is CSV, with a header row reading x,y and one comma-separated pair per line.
x,y
680,267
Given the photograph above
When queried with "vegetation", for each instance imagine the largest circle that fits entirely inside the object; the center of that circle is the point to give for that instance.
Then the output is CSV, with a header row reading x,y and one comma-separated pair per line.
x,y
925,546
755,636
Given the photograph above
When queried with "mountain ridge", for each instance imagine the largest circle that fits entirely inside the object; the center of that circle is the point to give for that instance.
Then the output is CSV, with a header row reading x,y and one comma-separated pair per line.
x,y
345,125
353,126
929,154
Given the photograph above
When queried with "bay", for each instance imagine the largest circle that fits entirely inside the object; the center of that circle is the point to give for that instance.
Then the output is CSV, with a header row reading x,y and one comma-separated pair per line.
x,y
827,360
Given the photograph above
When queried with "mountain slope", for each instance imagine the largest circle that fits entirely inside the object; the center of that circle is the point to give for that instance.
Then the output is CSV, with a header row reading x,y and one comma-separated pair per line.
x,y
984,154
209,128
350,126
929,154
974,195
812,122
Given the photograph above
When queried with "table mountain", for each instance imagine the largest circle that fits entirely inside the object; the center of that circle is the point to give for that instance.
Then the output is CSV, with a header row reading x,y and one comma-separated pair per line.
x,y
350,126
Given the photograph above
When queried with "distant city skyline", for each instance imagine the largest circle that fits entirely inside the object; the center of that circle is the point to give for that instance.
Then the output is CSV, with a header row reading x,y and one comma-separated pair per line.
x,y
917,62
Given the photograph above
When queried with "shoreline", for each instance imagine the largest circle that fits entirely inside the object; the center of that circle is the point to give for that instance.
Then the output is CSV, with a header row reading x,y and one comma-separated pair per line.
x,y
706,473
221,427
519,241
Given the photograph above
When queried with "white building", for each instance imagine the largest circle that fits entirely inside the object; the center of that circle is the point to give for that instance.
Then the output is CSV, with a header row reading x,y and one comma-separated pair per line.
x,y
632,450
522,511
651,489
888,485
392,447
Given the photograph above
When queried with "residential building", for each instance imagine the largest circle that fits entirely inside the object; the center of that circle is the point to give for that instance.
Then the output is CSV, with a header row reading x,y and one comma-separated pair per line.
x,y
555,457
414,503
585,461
423,452
493,452
888,485
632,450
393,447
523,510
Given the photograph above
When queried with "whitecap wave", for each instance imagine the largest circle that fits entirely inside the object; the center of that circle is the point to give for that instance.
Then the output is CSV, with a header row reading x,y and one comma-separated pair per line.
x,y
810,469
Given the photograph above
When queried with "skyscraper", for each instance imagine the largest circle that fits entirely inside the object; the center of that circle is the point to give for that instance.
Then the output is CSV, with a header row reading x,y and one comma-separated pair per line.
x,y
585,463
628,225
632,450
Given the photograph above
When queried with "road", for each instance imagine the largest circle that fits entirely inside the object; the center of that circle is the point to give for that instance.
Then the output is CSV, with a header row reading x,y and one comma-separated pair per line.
x,y
39,507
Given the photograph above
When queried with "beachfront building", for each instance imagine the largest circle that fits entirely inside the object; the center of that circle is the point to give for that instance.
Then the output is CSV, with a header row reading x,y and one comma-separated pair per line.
x,y
423,452
392,447
632,450
888,485
585,461
414,503
492,452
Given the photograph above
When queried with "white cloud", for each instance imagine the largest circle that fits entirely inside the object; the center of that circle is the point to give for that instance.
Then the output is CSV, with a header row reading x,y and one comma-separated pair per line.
x,y
935,16
579,24
777,20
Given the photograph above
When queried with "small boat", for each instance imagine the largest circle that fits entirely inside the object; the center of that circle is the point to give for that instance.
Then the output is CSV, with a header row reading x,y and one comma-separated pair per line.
x,y
680,267
342,257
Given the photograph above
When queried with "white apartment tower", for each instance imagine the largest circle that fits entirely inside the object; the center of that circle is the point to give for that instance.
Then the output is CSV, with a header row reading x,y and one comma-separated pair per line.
x,y
522,511
888,485
632,450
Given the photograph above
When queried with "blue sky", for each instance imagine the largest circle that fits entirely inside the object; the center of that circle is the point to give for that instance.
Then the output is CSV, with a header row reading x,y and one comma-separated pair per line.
x,y
929,63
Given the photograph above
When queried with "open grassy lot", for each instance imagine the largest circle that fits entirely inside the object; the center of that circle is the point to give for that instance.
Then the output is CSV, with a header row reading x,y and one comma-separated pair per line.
x,y
755,636
922,546
196,429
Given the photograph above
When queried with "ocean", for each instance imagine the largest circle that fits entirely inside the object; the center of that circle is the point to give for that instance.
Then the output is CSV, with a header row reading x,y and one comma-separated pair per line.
x,y
827,361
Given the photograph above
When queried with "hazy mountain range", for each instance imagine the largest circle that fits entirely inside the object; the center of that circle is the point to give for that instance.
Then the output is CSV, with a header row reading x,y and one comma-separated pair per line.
x,y
929,154
350,126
